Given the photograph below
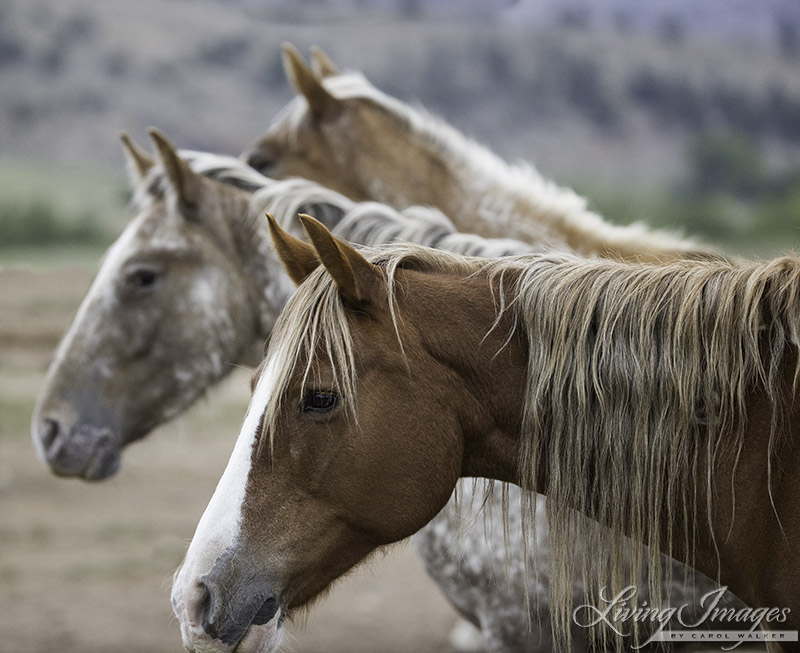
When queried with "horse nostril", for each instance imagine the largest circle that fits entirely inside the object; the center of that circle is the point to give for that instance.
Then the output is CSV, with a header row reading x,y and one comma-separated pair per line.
x,y
203,614
266,611
226,615
48,432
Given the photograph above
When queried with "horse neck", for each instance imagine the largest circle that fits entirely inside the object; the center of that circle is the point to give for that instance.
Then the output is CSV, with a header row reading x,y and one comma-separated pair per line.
x,y
483,194
743,544
755,517
267,284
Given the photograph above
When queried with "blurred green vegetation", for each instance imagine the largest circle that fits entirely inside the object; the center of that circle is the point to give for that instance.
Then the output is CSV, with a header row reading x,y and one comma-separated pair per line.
x,y
16,414
47,210
728,198
39,224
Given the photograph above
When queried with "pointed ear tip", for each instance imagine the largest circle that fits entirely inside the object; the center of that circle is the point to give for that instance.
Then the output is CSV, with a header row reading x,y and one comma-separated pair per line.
x,y
311,223
290,51
127,144
320,53
164,146
157,136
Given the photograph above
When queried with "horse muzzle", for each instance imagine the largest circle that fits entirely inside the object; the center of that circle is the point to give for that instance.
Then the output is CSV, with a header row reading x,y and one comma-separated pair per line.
x,y
83,450
219,617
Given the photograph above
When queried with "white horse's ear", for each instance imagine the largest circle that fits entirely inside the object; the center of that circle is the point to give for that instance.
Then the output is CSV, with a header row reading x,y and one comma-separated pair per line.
x,y
139,161
321,63
358,280
321,103
298,257
185,181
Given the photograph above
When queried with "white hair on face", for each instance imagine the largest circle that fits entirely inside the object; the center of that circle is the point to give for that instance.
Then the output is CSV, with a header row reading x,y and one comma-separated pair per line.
x,y
220,524
87,323
221,518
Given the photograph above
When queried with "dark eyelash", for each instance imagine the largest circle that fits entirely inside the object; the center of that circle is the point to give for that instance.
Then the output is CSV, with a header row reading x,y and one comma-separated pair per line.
x,y
319,401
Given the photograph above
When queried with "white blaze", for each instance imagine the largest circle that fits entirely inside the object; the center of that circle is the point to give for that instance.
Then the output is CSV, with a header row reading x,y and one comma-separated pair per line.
x,y
220,522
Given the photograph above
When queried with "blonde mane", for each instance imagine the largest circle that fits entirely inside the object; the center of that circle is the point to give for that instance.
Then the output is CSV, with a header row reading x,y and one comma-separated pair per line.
x,y
498,198
634,371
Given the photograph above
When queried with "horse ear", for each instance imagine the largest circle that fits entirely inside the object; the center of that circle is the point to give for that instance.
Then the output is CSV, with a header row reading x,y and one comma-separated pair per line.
x,y
320,102
321,63
185,181
298,257
139,161
356,277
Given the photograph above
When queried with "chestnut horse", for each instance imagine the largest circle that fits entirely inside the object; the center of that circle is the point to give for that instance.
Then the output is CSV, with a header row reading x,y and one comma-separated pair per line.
x,y
660,400
347,135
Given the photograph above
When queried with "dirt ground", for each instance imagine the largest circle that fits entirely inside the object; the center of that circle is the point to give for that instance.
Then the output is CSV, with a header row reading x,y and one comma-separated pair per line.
x,y
87,568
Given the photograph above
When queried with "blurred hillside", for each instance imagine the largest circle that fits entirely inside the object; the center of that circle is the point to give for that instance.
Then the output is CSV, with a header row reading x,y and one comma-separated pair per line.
x,y
611,96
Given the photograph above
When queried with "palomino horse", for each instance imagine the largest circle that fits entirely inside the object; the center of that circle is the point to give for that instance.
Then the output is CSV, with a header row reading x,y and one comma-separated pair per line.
x,y
347,135
658,399
344,133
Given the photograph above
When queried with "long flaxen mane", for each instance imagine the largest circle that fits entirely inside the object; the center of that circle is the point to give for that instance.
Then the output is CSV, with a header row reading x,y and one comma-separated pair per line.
x,y
628,364
512,199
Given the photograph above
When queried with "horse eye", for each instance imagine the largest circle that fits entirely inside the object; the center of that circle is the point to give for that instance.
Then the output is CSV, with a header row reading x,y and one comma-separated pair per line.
x,y
318,401
142,278
260,161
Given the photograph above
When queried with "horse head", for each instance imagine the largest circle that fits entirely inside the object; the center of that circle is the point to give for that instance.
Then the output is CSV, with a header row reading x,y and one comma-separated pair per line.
x,y
343,133
169,313
356,434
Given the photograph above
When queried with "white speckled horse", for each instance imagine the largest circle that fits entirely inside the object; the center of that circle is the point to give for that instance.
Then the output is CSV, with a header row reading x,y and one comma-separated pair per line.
x,y
347,135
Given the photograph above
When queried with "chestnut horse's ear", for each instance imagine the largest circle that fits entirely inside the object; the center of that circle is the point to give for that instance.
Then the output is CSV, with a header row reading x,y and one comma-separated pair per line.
x,y
185,181
298,257
320,102
139,161
321,63
354,275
